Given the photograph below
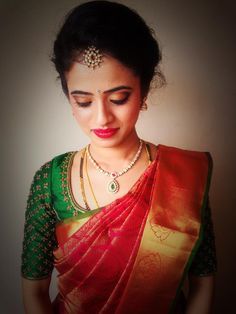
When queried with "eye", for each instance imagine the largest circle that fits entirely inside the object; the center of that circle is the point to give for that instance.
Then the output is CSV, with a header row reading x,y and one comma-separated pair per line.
x,y
119,100
84,103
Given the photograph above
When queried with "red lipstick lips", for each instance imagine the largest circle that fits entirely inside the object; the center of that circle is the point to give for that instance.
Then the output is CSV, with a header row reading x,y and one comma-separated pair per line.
x,y
105,133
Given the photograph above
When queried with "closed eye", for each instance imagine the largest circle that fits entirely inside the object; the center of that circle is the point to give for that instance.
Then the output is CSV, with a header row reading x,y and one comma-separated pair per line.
x,y
83,104
120,101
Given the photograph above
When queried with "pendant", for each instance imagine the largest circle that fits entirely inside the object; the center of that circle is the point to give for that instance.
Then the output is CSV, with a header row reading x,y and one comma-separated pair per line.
x,y
113,186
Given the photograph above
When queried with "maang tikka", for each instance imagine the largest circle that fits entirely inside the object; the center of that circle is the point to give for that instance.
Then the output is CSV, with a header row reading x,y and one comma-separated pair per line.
x,y
92,57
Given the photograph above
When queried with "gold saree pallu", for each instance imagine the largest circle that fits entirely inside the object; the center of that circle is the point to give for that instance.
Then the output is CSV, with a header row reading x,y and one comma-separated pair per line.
x,y
132,255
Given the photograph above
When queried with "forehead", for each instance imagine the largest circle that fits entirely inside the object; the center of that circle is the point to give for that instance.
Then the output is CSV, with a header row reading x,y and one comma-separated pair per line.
x,y
110,74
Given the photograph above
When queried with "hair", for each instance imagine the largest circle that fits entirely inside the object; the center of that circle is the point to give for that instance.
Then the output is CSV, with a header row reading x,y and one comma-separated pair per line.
x,y
115,30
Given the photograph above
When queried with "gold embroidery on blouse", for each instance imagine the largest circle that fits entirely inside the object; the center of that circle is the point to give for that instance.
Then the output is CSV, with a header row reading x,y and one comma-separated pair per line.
x,y
38,233
64,178
66,186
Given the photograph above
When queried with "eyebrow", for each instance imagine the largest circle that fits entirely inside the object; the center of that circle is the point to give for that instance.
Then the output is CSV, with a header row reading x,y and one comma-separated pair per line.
x,y
115,89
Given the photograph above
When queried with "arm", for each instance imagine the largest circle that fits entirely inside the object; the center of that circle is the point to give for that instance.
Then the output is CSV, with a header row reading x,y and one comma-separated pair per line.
x,y
36,296
200,295
39,242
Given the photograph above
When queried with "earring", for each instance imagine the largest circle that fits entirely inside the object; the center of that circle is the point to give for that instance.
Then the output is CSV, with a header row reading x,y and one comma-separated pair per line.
x,y
144,106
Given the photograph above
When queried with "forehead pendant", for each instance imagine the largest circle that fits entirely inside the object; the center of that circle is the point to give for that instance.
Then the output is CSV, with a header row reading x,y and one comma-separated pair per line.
x,y
92,57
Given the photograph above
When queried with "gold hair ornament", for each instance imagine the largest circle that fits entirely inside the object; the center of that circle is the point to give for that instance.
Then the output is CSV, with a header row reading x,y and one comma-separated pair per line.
x,y
92,57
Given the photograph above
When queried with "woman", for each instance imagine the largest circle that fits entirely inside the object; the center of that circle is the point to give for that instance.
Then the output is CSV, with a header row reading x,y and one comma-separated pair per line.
x,y
124,221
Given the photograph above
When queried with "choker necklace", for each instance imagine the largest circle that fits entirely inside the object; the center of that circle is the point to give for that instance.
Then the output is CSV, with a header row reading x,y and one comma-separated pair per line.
x,y
113,186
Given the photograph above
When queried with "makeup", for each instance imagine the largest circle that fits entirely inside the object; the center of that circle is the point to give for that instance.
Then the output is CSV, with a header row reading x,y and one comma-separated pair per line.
x,y
105,133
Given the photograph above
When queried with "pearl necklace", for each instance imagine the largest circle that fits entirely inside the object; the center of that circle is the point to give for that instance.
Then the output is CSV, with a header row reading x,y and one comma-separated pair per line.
x,y
113,186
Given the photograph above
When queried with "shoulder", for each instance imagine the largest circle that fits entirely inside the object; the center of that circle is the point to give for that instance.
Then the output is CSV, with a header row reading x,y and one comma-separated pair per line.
x,y
187,165
178,152
61,159
184,162
55,161
181,151
43,173
181,154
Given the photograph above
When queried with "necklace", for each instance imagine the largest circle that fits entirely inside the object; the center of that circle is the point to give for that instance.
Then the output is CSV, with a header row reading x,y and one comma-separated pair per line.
x,y
82,180
89,182
113,185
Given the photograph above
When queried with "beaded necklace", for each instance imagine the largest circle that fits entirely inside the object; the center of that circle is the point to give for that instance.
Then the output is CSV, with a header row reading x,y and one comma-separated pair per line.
x,y
84,159
113,186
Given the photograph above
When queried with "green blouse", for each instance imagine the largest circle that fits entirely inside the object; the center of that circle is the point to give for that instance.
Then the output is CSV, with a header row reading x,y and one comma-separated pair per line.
x,y
50,200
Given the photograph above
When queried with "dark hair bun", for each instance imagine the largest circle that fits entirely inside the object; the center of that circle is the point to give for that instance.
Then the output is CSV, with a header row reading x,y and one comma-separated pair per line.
x,y
116,30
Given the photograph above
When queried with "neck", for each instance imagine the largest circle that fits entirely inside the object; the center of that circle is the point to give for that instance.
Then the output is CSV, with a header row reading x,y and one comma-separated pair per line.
x,y
116,156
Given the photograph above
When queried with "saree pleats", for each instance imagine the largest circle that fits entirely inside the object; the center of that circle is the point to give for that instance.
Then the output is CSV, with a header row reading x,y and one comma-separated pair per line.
x,y
130,256
95,261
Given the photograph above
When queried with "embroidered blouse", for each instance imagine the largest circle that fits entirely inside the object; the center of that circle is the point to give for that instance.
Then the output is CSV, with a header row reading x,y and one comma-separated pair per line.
x,y
49,204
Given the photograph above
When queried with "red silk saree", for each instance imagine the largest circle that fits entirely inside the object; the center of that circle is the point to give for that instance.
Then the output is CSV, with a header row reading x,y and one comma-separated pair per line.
x,y
133,255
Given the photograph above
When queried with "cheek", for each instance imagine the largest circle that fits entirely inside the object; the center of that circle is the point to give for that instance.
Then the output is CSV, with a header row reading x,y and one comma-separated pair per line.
x,y
132,112
82,118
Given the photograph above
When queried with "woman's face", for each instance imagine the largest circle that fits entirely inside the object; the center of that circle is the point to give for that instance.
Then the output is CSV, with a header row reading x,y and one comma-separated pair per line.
x,y
105,101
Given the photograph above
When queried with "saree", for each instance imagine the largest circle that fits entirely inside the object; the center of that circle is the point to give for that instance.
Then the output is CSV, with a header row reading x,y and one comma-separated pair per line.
x,y
133,254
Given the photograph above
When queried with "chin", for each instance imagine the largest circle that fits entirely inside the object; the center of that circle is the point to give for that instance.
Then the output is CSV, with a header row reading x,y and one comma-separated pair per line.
x,y
107,142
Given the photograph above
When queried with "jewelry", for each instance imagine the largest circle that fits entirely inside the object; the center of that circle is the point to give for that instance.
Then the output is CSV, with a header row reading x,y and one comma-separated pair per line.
x,y
92,57
147,148
144,106
113,185
90,184
82,180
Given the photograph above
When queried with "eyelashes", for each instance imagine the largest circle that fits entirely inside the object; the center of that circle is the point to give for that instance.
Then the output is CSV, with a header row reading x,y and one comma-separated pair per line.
x,y
122,101
83,104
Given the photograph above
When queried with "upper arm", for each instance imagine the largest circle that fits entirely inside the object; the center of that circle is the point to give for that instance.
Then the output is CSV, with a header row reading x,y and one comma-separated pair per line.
x,y
36,296
35,287
39,231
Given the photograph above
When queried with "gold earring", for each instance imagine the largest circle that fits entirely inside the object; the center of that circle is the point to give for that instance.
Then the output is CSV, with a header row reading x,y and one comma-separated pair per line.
x,y
144,106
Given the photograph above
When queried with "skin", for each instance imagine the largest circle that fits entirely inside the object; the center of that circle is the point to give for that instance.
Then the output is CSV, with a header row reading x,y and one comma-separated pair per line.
x,y
107,86
108,97
94,96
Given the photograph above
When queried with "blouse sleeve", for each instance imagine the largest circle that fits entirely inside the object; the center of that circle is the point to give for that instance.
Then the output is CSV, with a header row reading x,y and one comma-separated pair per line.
x,y
205,260
39,236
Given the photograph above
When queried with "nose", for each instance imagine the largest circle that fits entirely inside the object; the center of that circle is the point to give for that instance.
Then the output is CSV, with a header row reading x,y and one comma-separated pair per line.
x,y
103,114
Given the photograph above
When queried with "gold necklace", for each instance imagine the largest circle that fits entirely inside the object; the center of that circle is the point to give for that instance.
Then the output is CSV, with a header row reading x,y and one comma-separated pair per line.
x,y
82,180
89,181
148,152
84,156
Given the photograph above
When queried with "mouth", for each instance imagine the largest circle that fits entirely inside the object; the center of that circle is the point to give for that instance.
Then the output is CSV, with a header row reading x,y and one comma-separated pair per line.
x,y
105,133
